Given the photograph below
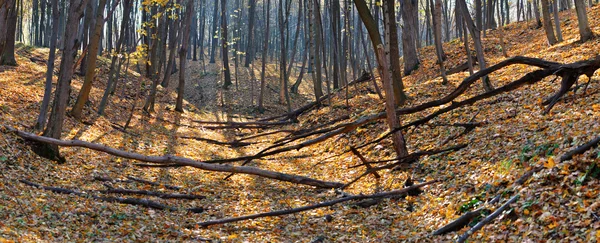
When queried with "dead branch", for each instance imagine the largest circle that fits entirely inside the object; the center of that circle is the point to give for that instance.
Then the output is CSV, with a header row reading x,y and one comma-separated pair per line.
x,y
581,149
365,162
170,159
153,183
315,206
152,193
131,201
233,144
487,219
406,159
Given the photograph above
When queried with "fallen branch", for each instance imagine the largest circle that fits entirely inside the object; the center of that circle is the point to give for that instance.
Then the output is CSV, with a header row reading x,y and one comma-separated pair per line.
x,y
152,193
170,159
487,219
581,149
131,201
153,183
234,144
315,206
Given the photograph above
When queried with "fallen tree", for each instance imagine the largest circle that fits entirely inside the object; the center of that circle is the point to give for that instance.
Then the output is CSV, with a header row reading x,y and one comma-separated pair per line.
x,y
170,159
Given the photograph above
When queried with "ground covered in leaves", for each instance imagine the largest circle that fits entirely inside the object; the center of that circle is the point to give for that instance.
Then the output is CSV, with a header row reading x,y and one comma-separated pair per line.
x,y
561,202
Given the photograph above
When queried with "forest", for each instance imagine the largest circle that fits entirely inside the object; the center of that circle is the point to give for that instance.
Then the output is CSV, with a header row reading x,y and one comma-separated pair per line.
x,y
299,120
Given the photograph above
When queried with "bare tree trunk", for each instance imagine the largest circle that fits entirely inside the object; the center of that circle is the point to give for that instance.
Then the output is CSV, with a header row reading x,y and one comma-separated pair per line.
x,y
63,87
8,25
556,20
548,22
585,33
115,64
251,42
41,120
536,11
261,96
92,56
437,32
316,37
215,37
409,35
464,11
189,9
394,53
224,45
283,66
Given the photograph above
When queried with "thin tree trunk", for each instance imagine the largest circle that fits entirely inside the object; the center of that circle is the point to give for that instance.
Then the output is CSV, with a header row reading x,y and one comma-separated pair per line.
x,y
556,20
585,33
59,107
224,45
41,120
251,42
92,56
8,24
264,57
189,9
487,86
437,33
213,34
548,22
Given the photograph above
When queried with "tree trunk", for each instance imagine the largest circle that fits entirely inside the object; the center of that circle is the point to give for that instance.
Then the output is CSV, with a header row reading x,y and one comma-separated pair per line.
x,y
536,11
410,35
264,56
548,22
394,54
63,87
215,37
8,24
317,40
556,20
224,45
92,56
189,9
464,11
41,120
251,42
585,33
115,61
437,33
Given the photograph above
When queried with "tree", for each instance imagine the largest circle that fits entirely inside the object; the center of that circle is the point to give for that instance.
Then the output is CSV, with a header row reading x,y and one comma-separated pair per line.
x,y
464,12
189,9
410,35
92,56
394,54
585,33
115,63
264,56
8,25
59,107
250,42
215,36
224,46
556,20
437,33
41,120
283,48
385,73
548,22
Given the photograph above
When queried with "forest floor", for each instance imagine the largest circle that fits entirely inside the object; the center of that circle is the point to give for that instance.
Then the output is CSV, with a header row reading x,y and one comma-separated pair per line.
x,y
559,203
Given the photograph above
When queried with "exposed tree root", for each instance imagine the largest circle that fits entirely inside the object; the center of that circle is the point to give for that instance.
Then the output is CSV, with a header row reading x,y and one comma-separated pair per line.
x,y
487,219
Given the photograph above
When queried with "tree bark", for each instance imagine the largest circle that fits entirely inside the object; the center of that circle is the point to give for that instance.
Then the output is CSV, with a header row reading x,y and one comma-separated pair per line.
x,y
487,86
585,33
437,33
8,25
92,56
410,35
548,22
264,57
61,98
189,9
251,42
213,34
41,120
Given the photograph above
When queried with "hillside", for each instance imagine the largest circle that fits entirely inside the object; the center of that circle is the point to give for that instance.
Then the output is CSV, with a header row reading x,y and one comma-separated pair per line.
x,y
560,202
